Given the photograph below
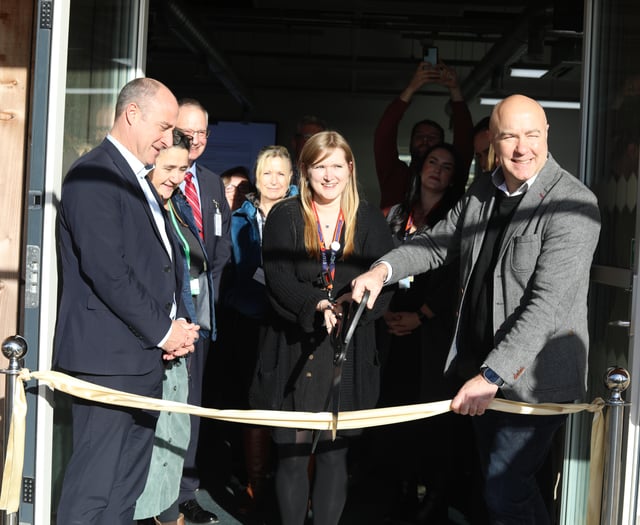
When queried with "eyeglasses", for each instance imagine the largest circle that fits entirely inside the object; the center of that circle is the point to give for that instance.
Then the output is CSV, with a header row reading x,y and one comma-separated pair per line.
x,y
204,133
180,138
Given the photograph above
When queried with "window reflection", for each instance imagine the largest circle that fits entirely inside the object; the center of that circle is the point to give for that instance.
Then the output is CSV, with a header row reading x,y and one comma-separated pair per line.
x,y
101,59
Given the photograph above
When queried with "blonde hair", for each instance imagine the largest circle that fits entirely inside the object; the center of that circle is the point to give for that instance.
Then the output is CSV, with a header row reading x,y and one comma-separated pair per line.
x,y
271,152
318,148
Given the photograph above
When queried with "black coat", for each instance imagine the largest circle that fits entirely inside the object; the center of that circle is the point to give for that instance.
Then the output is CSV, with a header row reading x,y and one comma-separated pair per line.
x,y
295,365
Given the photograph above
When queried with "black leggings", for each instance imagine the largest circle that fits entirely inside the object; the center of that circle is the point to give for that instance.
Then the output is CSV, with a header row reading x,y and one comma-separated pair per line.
x,y
329,492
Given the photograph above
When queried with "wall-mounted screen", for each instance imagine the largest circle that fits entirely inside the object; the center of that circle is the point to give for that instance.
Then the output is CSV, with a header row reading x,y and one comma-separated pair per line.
x,y
233,144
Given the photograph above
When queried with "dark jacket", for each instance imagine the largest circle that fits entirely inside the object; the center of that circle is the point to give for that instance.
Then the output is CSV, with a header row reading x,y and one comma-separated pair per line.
x,y
118,281
183,209
212,201
295,365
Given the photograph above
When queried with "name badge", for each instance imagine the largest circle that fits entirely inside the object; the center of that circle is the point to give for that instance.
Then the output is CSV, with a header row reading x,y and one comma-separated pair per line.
x,y
195,286
217,224
259,275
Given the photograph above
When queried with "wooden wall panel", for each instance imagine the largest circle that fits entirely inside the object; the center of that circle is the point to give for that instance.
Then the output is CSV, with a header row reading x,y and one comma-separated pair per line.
x,y
16,36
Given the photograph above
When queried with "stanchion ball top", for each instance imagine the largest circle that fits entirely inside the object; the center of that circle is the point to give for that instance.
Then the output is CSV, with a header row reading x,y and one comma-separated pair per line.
x,y
14,347
617,379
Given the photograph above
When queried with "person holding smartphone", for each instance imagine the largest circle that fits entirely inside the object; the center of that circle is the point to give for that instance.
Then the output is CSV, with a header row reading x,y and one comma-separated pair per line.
x,y
393,174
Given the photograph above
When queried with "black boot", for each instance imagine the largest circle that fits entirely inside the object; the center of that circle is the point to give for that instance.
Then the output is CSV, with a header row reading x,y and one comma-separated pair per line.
x,y
257,452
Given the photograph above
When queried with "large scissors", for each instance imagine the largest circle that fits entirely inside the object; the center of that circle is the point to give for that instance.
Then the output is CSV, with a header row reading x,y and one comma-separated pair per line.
x,y
340,338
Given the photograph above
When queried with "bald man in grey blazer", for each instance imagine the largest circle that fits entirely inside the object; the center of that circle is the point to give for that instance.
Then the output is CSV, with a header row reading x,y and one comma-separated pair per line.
x,y
524,238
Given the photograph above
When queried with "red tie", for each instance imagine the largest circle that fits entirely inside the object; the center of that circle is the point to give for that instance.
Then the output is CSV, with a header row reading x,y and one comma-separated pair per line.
x,y
192,196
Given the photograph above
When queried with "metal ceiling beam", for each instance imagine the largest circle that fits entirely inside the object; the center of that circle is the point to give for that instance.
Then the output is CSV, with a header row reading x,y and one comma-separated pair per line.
x,y
511,47
196,39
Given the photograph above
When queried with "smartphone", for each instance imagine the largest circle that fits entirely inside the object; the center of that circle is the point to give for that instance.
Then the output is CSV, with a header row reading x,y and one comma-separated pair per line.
x,y
431,56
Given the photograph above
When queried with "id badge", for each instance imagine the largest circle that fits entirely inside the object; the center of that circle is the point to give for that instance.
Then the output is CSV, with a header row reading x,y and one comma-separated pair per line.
x,y
195,286
259,275
217,223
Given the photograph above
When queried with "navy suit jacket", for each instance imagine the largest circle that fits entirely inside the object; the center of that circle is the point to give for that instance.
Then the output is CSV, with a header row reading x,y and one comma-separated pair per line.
x,y
118,282
212,199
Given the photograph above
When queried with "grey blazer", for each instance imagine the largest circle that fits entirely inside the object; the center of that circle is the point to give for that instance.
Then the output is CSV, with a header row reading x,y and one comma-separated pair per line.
x,y
540,282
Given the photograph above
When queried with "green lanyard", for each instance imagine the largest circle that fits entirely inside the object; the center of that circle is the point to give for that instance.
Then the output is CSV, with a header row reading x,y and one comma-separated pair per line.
x,y
176,227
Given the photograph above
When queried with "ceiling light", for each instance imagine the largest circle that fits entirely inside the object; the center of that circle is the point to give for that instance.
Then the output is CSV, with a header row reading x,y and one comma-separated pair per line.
x,y
552,104
528,72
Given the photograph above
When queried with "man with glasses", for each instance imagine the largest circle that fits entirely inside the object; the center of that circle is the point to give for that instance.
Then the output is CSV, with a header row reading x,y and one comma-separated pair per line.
x,y
393,174
205,192
120,315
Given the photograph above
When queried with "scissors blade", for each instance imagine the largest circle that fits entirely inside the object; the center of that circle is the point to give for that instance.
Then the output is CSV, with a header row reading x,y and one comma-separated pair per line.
x,y
335,397
340,350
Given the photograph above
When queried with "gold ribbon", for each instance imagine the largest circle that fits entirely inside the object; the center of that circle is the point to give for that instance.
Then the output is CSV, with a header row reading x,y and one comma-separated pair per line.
x,y
14,458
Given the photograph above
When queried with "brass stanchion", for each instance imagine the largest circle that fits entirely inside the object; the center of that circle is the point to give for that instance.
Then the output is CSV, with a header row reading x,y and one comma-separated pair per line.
x,y
13,348
617,381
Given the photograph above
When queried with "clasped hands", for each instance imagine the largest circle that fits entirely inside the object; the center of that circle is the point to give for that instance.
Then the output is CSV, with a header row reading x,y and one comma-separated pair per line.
x,y
181,340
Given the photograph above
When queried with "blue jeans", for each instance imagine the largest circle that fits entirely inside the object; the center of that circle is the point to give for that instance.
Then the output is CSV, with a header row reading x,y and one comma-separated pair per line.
x,y
512,449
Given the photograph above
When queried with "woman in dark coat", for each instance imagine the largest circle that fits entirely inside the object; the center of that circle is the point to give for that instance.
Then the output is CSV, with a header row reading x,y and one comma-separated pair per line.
x,y
313,246
414,339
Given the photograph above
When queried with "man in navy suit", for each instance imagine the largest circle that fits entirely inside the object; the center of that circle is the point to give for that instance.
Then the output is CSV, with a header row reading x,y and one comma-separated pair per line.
x,y
119,315
207,198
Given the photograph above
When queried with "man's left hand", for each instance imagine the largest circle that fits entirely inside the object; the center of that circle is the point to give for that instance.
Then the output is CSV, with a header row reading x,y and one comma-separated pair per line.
x,y
474,397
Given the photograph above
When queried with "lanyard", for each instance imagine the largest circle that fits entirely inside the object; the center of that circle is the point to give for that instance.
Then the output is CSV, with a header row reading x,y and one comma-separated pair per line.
x,y
329,267
407,228
176,227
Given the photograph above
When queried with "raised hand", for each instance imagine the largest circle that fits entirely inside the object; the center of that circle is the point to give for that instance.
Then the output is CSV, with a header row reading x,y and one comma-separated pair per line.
x,y
424,74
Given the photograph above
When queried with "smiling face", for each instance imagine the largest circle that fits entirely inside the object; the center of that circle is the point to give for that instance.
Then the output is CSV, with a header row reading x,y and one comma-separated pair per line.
x,y
437,170
272,180
329,176
192,121
171,166
519,136
151,123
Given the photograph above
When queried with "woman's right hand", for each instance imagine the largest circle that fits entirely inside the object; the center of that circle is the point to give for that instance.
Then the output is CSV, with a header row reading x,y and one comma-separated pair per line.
x,y
331,311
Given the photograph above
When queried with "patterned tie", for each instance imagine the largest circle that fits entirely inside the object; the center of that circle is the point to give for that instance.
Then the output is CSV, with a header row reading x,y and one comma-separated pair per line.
x,y
192,196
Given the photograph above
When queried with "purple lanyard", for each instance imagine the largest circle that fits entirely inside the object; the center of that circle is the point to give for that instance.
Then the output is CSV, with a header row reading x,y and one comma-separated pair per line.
x,y
329,267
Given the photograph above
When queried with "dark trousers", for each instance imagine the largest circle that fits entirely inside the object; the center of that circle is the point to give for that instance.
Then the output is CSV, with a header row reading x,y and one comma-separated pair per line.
x,y
111,454
190,481
512,450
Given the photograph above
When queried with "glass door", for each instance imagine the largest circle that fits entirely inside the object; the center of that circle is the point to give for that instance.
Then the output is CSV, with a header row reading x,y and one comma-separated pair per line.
x,y
610,166
99,45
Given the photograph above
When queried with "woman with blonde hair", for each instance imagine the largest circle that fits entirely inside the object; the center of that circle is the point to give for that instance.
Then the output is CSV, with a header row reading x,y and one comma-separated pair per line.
x,y
313,246
245,300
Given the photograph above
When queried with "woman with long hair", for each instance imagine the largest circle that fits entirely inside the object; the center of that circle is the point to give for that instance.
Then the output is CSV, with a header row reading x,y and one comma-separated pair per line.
x,y
246,304
414,338
313,246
